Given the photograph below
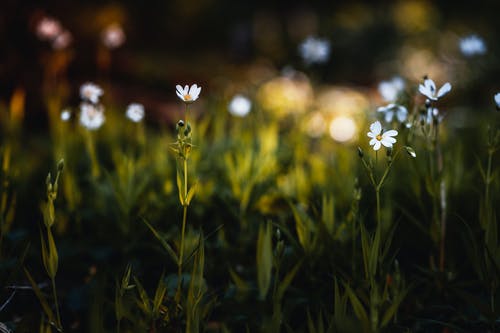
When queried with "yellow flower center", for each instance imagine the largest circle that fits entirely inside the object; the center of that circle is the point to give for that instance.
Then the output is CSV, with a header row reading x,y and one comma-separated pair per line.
x,y
187,97
379,137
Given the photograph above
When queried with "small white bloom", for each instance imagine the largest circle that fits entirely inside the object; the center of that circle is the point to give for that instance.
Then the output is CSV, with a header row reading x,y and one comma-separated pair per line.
x,y
135,112
48,28
379,138
497,100
315,50
428,89
240,106
91,92
62,41
472,45
65,115
393,109
91,116
113,36
391,89
187,94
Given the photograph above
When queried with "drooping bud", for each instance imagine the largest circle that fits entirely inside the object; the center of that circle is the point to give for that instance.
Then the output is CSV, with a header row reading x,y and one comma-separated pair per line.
x,y
410,151
360,152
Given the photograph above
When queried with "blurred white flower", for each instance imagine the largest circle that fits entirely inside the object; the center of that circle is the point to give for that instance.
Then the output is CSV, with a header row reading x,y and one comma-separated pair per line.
x,y
428,89
91,92
497,100
391,89
379,138
187,94
113,36
240,106
393,109
135,112
62,41
431,114
91,116
48,28
65,115
472,45
314,50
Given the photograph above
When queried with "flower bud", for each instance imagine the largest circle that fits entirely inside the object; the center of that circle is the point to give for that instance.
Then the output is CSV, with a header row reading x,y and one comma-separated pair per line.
x,y
60,165
360,152
410,151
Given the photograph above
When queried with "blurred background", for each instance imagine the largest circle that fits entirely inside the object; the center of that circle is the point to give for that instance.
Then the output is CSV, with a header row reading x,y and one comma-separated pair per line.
x,y
223,44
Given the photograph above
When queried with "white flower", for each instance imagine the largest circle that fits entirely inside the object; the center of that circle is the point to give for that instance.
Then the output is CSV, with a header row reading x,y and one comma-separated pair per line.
x,y
62,41
315,50
65,115
393,109
472,45
391,89
188,95
91,116
428,89
48,28
135,112
497,100
239,106
379,138
113,36
90,92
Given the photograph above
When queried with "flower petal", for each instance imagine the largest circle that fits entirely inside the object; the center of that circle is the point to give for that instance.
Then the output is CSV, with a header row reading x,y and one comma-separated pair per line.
x,y
430,85
376,128
401,114
425,91
390,133
444,90
497,99
377,145
386,142
373,141
389,114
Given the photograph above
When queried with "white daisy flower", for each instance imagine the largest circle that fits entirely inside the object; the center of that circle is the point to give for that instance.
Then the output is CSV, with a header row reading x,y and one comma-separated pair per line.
x,y
187,94
428,89
314,50
48,28
379,138
91,116
240,106
472,45
392,109
497,100
135,112
65,115
91,92
389,90
113,36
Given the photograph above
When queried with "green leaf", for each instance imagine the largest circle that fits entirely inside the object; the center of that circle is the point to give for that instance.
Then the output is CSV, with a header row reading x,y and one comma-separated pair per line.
x,y
191,193
45,305
358,308
391,311
53,255
264,259
180,188
287,280
241,285
163,242
144,302
161,290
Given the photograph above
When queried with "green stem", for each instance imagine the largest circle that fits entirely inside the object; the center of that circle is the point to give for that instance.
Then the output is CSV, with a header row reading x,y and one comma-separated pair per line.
x,y
183,232
487,181
93,156
59,326
377,194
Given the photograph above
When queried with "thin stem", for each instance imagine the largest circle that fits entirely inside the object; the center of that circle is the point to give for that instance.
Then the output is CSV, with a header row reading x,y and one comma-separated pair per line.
x,y
59,326
93,155
377,194
183,232
488,176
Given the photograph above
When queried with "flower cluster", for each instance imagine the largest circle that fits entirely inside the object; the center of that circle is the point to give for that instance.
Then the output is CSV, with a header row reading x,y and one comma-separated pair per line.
x,y
91,112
